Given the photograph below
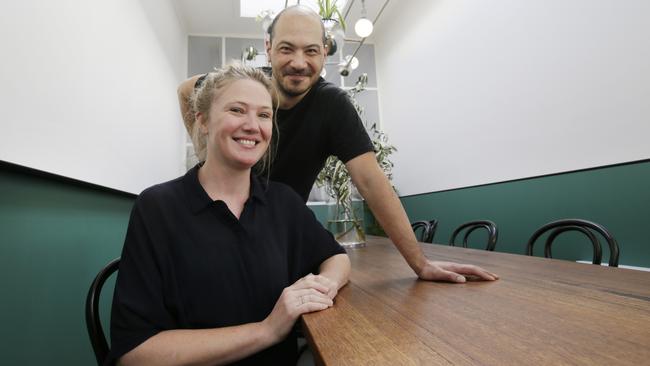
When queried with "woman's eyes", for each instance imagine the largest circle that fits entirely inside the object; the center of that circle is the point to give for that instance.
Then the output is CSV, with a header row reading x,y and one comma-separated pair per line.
x,y
239,110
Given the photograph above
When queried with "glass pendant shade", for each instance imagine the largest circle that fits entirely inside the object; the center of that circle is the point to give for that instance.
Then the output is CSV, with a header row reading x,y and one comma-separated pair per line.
x,y
363,27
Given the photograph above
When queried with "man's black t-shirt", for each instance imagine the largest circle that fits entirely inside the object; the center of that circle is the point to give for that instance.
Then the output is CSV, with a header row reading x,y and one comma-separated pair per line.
x,y
189,263
323,123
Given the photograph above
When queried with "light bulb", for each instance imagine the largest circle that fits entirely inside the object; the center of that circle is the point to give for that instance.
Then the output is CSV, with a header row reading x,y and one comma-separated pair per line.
x,y
353,64
363,27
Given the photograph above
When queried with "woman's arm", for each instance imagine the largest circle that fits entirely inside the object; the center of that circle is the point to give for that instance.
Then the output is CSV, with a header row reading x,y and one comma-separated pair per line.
x,y
200,346
337,270
225,345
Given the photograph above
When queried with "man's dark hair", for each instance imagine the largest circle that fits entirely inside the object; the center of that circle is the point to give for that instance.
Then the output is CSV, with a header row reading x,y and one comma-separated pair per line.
x,y
271,30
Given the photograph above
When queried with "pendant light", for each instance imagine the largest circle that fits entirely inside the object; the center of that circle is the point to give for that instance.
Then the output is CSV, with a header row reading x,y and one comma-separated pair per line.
x,y
363,27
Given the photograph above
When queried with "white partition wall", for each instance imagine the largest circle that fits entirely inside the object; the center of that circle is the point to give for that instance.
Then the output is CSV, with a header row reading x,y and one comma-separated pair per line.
x,y
475,92
88,89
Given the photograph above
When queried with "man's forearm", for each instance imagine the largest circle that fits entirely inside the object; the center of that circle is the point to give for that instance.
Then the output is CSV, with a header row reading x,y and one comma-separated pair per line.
x,y
386,207
390,214
184,91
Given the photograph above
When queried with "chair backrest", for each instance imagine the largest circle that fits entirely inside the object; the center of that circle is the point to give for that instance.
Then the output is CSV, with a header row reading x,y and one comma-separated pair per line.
x,y
433,225
93,323
421,230
582,226
489,226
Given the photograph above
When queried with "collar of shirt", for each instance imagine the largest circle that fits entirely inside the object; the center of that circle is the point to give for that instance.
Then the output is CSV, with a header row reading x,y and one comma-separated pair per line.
x,y
198,198
304,101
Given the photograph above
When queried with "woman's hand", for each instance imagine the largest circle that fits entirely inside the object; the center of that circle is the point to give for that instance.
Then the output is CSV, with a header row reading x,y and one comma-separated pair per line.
x,y
308,294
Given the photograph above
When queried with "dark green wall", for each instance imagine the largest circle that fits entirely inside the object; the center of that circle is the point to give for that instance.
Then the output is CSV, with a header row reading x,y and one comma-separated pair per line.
x,y
56,235
617,197
55,238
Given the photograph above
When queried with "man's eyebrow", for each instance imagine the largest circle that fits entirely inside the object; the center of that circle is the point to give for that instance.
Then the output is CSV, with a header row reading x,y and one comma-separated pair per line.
x,y
287,43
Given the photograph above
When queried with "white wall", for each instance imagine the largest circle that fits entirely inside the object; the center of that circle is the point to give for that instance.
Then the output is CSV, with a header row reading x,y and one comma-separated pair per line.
x,y
88,89
474,92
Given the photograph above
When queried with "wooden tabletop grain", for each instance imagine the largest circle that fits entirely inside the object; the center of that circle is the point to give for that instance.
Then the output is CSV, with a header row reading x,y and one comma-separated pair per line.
x,y
541,312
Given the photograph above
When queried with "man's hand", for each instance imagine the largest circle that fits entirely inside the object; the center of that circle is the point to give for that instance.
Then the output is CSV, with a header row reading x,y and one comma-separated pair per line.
x,y
453,272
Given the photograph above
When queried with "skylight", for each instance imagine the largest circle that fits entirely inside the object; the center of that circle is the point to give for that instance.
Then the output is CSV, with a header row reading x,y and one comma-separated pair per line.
x,y
251,8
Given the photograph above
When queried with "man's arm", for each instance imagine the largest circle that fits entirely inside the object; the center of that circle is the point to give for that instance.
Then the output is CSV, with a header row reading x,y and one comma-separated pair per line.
x,y
376,189
185,90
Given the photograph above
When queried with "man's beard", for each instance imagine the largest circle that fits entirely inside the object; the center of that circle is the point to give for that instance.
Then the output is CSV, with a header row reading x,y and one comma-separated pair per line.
x,y
292,92
287,90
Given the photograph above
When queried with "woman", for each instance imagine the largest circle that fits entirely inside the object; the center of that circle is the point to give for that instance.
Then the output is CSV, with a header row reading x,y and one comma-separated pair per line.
x,y
217,264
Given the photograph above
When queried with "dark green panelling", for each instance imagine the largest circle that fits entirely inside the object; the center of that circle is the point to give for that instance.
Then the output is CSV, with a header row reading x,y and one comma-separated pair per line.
x,y
617,197
55,238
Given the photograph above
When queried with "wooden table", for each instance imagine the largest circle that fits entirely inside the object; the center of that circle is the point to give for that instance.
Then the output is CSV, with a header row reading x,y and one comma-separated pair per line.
x,y
541,312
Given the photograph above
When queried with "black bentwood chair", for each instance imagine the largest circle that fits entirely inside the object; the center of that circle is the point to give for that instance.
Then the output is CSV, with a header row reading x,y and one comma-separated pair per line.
x,y
582,226
433,226
93,323
422,231
489,226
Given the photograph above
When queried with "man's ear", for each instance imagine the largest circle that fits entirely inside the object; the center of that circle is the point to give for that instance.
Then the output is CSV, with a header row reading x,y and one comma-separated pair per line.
x,y
267,46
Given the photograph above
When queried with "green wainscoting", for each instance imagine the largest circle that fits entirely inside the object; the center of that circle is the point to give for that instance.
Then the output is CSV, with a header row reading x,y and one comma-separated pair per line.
x,y
55,237
617,197
56,234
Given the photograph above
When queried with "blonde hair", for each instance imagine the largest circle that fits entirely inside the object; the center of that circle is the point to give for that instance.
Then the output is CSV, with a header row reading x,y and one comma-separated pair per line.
x,y
213,84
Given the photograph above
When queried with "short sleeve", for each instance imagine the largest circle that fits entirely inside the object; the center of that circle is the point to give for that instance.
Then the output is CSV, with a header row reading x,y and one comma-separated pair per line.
x,y
314,243
348,136
138,311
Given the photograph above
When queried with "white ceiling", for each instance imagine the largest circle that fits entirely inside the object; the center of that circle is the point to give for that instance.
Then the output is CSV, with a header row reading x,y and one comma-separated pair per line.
x,y
221,17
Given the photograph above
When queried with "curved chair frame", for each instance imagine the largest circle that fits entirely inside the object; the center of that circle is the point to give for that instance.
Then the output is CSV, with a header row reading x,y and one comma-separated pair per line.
x,y
598,251
582,226
491,227
433,225
425,230
93,322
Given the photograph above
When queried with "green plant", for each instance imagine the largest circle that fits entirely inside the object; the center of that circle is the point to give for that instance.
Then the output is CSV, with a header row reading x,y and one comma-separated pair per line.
x,y
328,8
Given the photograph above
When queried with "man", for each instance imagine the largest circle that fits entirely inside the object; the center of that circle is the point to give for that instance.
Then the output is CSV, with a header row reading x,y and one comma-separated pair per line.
x,y
317,120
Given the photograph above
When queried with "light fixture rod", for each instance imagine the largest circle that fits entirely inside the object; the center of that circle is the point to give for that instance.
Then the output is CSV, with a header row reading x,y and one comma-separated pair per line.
x,y
380,11
363,39
355,53
347,11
